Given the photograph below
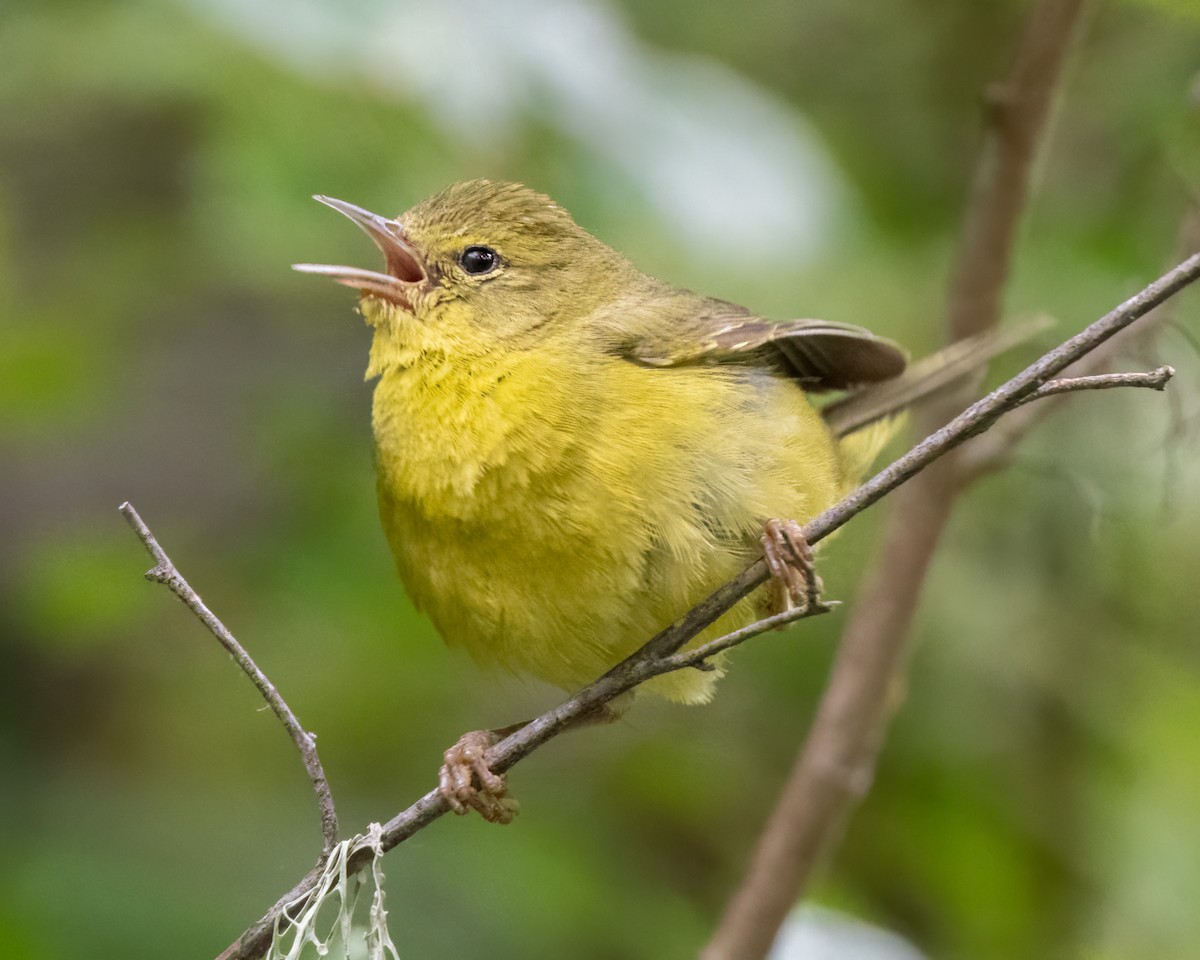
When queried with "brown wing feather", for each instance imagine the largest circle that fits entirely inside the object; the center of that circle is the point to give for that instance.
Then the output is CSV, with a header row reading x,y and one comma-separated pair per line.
x,y
925,377
821,354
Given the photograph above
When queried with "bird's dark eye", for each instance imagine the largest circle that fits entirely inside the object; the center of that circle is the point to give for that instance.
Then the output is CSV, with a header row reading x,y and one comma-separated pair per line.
x,y
479,260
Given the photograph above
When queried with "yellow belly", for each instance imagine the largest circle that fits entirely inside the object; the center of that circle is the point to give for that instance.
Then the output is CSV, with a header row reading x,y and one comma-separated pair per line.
x,y
550,513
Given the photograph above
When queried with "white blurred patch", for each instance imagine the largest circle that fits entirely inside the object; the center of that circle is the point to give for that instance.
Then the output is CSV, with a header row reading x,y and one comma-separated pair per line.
x,y
732,170
815,933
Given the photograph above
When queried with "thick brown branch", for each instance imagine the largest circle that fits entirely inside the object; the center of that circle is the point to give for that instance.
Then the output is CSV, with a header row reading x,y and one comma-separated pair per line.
x,y
648,661
1017,113
838,758
165,572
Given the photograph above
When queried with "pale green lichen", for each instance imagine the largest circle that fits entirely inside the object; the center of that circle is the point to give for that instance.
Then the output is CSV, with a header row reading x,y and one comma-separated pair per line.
x,y
338,889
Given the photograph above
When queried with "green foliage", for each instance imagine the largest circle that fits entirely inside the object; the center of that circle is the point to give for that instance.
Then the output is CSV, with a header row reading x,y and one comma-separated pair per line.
x,y
1037,794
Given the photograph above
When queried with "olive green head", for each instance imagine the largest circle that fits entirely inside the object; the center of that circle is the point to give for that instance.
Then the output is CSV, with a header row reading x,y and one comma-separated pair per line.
x,y
507,256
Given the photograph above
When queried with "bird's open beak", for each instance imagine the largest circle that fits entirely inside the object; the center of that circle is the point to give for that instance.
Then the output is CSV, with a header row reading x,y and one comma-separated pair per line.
x,y
404,267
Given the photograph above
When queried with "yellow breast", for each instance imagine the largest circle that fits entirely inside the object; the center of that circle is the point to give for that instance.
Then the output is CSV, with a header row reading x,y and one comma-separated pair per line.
x,y
551,509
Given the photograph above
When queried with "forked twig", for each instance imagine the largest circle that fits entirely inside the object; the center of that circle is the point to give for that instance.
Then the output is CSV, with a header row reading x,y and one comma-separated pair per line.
x,y
654,657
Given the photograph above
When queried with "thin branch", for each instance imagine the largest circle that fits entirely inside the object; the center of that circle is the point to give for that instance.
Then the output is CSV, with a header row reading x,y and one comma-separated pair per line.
x,y
648,661
165,572
700,656
995,452
837,761
1152,379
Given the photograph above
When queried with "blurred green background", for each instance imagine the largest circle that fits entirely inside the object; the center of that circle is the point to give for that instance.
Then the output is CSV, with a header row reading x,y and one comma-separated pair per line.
x,y
1040,794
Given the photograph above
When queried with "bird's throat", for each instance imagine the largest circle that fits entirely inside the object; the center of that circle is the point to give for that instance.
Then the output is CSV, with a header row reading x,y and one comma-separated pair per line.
x,y
461,433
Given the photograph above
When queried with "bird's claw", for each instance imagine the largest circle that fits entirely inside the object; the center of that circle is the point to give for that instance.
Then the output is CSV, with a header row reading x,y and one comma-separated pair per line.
x,y
467,782
790,559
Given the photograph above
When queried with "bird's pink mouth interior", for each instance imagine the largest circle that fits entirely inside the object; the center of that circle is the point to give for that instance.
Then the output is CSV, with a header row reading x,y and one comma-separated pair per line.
x,y
403,266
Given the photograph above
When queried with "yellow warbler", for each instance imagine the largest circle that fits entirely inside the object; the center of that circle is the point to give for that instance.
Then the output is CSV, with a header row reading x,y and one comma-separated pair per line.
x,y
571,453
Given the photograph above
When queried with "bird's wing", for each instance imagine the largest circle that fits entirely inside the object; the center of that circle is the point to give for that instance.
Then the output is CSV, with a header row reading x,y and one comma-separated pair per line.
x,y
821,354
927,376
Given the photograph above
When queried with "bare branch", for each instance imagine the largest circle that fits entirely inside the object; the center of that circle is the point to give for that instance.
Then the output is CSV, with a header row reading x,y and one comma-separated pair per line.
x,y
837,761
699,657
1153,380
657,655
1017,113
998,448
165,572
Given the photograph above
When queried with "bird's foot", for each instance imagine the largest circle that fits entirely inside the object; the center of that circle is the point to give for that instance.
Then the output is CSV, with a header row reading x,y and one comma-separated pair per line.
x,y
467,782
794,580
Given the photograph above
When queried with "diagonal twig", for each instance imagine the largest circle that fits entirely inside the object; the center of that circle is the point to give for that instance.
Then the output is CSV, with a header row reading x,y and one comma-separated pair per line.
x,y
165,572
700,656
648,661
998,449
836,763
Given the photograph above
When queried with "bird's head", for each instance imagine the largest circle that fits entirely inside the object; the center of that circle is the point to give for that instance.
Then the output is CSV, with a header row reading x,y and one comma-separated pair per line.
x,y
488,260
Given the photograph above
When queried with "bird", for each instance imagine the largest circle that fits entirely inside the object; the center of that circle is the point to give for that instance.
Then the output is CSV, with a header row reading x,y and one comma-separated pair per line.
x,y
572,453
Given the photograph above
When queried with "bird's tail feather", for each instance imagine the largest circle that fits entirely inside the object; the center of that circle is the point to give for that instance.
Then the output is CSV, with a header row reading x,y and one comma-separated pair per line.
x,y
867,418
